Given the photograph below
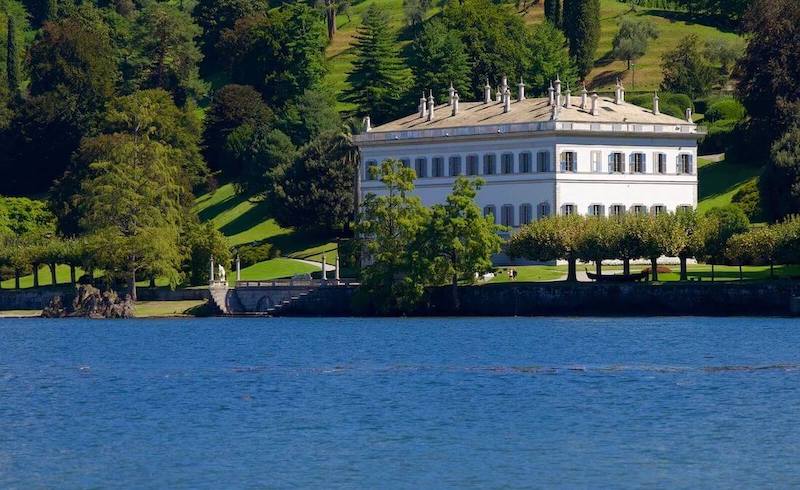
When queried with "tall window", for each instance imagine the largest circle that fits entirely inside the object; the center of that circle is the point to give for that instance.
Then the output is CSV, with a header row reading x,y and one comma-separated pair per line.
x,y
543,161
597,161
659,209
597,210
507,215
617,210
525,214
684,163
568,209
638,209
455,166
421,167
507,163
569,161
637,163
490,211
489,164
438,167
542,210
524,162
472,165
661,163
367,172
617,163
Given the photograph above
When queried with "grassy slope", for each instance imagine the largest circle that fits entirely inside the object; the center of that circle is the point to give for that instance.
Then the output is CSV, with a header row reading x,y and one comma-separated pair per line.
x,y
719,181
673,27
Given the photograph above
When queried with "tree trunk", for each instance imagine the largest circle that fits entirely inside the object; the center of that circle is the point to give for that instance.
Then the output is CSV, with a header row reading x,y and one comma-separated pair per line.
x,y
331,18
572,269
16,278
72,274
456,304
741,277
626,266
712,271
36,275
53,278
132,285
771,270
654,268
598,268
684,273
152,281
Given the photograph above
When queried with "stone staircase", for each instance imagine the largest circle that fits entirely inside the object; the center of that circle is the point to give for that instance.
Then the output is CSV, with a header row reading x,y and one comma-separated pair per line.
x,y
218,299
286,305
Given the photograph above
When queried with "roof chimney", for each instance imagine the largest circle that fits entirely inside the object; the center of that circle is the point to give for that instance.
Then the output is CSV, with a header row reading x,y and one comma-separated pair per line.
x,y
689,114
498,95
430,106
455,103
487,93
521,93
619,93
584,97
568,101
423,109
551,90
656,109
450,92
595,105
504,85
367,125
507,100
558,90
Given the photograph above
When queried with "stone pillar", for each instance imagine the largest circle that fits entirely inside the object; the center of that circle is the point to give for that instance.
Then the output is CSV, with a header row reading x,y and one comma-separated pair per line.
x,y
423,109
455,103
238,269
568,99
689,114
551,91
507,101
487,93
324,269
430,106
595,105
656,109
211,277
584,94
451,92
521,93
337,267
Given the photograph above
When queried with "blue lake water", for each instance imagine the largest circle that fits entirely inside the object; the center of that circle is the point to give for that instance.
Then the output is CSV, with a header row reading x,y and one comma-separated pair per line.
x,y
400,403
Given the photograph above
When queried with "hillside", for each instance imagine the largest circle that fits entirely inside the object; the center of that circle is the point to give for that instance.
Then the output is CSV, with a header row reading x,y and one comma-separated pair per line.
x,y
673,27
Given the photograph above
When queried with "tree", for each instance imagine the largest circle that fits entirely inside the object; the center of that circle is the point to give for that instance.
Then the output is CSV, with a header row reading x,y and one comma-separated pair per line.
x,y
232,106
415,11
631,41
595,242
693,228
310,115
281,55
686,69
625,242
723,223
258,159
214,16
724,52
548,59
165,38
582,28
388,226
378,78
552,12
439,58
659,235
12,59
204,241
459,238
780,181
550,239
316,191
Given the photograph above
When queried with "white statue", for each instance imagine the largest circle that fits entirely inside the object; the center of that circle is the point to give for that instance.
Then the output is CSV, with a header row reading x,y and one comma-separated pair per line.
x,y
220,273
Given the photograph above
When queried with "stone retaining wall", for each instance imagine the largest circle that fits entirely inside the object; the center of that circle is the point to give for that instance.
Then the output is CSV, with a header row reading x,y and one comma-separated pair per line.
x,y
35,299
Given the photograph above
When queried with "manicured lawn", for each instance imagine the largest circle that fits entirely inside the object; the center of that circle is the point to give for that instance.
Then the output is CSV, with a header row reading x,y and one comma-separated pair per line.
x,y
147,309
62,276
719,181
531,273
275,269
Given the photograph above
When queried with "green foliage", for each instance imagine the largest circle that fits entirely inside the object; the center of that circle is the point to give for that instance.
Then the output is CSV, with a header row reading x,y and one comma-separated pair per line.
x,y
633,38
255,253
415,10
582,28
724,52
258,158
673,104
548,239
725,108
749,199
281,54
723,223
780,182
316,191
12,58
686,69
203,242
719,137
552,12
214,16
22,216
378,80
231,107
310,115
439,59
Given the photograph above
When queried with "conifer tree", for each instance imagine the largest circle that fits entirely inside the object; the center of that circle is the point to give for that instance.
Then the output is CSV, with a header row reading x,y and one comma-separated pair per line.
x,y
12,59
379,77
52,10
552,11
582,28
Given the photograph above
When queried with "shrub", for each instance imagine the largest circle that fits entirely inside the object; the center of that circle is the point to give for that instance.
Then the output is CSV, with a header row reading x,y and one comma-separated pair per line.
x,y
255,253
719,137
727,108
749,200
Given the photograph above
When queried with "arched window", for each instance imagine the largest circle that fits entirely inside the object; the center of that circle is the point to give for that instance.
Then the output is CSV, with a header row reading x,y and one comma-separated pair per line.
x,y
472,165
490,211
525,162
455,166
507,166
542,210
525,214
421,167
507,215
438,167
543,161
489,164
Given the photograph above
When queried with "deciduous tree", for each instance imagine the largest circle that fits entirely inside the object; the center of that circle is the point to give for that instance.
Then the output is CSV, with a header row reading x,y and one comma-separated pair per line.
x,y
631,41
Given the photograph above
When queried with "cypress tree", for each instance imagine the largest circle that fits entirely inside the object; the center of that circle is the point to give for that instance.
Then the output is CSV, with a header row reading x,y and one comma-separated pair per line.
x,y
582,28
379,78
12,59
52,10
552,11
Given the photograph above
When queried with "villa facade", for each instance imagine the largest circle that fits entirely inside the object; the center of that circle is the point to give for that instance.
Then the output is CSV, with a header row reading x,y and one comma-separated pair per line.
x,y
560,154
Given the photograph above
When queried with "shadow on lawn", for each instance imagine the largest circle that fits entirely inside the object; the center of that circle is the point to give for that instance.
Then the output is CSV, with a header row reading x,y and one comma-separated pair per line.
x,y
247,220
226,204
720,177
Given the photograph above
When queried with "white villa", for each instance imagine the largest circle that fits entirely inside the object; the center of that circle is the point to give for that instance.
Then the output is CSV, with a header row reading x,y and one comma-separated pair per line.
x,y
562,154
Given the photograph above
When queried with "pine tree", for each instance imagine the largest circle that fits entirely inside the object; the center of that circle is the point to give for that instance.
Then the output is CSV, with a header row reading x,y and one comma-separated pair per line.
x,y
12,59
52,10
379,77
582,28
552,11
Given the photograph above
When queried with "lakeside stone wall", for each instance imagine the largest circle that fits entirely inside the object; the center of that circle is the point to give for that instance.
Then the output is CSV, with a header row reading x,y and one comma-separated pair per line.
x,y
35,299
